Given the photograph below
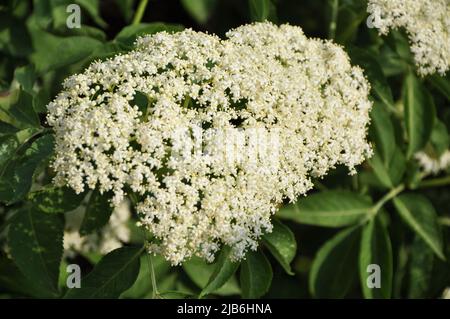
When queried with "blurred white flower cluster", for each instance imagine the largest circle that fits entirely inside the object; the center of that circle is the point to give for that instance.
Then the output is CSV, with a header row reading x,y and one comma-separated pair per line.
x,y
228,130
113,235
427,23
446,293
433,165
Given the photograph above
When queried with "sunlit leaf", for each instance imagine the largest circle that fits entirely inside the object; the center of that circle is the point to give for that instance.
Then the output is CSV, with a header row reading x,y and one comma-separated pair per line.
x,y
282,244
329,209
256,275
36,242
114,274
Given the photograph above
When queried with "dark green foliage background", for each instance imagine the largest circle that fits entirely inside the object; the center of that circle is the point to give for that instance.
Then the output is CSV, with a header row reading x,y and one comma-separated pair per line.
x,y
388,214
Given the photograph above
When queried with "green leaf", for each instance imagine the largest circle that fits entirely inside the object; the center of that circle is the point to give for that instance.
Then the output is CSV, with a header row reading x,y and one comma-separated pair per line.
x,y
87,31
380,170
43,12
398,41
129,34
390,62
200,10
36,243
442,84
143,284
126,8
420,114
26,77
397,167
53,200
108,50
369,179
223,272
376,249
413,175
63,274
41,100
98,212
93,8
401,261
420,269
350,15
389,175
17,176
388,162
115,273
201,273
282,245
382,132
53,14
10,144
417,211
7,129
14,37
256,275
440,138
23,112
328,209
53,52
6,101
374,73
12,280
333,270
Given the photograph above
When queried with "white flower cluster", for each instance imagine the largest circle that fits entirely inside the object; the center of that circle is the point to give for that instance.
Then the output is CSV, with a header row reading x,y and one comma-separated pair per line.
x,y
427,23
113,235
298,101
433,165
446,293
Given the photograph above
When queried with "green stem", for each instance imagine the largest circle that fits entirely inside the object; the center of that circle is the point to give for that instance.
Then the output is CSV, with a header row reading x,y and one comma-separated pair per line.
x,y
391,108
186,102
133,198
373,211
140,12
334,18
155,292
435,182
392,193
394,109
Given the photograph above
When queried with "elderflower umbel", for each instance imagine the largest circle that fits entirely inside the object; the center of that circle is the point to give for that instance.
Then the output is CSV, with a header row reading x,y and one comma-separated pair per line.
x,y
427,23
189,154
